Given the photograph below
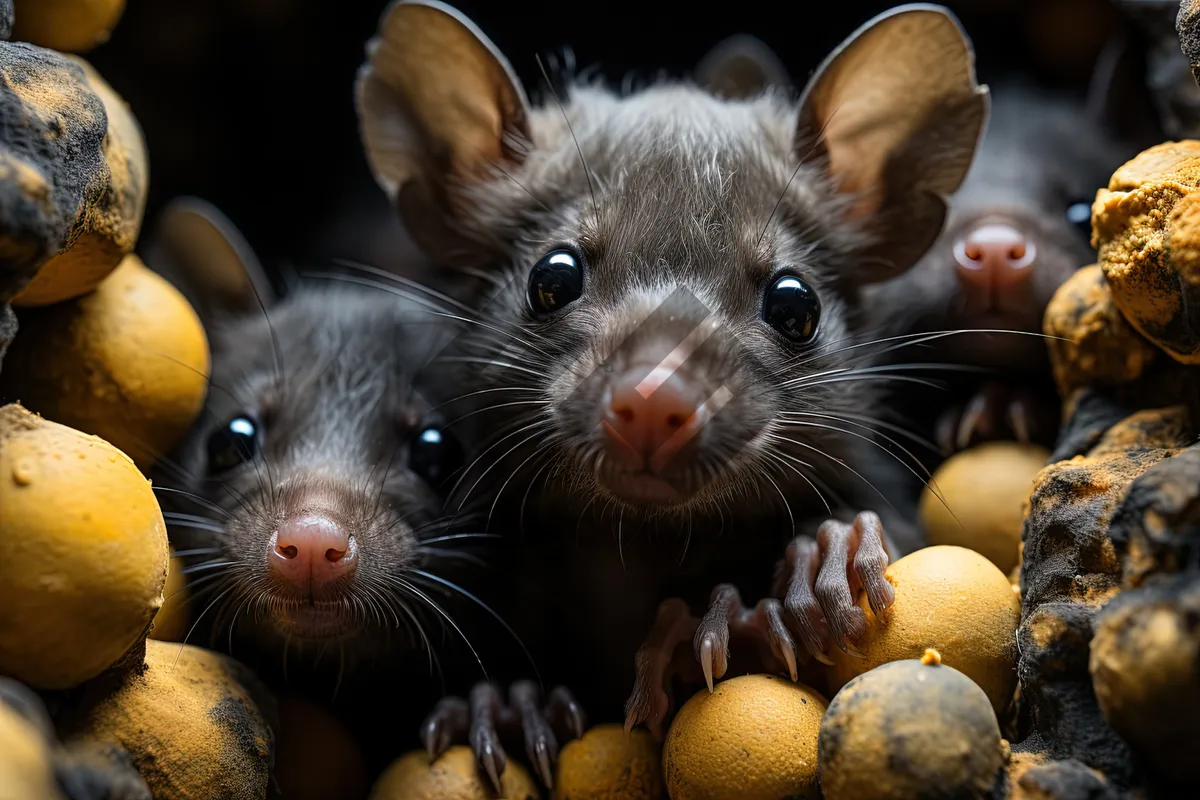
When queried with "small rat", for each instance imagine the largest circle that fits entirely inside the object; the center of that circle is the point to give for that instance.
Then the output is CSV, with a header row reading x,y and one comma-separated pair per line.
x,y
673,361
1018,228
308,495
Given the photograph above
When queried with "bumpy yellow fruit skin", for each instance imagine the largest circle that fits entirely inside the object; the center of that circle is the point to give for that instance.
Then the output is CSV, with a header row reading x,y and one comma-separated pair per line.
x,y
950,599
188,721
109,228
72,26
753,738
85,552
26,771
610,764
128,362
984,490
453,776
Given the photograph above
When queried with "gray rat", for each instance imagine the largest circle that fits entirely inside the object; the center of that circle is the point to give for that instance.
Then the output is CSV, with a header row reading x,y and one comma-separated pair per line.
x,y
674,345
1018,227
308,496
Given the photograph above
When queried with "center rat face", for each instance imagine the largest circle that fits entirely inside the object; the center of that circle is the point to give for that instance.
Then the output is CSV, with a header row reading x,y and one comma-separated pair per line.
x,y
321,462
665,344
678,268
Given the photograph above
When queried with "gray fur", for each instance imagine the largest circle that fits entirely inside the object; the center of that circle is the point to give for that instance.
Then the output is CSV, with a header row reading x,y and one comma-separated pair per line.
x,y
1042,151
333,377
685,185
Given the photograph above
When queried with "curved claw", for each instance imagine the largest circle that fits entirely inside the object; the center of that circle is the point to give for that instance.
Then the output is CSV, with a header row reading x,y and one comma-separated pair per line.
x,y
448,720
493,763
706,660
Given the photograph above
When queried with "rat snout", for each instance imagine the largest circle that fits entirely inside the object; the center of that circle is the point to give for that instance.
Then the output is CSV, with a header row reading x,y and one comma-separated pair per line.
x,y
650,414
994,256
312,551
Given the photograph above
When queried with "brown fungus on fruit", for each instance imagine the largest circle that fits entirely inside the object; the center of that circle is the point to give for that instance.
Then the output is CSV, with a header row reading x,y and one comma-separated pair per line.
x,y
910,729
1091,343
1071,569
1145,663
52,165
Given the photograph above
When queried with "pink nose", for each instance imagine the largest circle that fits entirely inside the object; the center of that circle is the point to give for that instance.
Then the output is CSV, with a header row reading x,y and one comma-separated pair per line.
x,y
994,256
312,551
651,414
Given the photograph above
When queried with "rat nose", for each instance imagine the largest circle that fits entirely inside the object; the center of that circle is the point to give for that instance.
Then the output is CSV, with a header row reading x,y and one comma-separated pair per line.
x,y
312,550
651,414
994,255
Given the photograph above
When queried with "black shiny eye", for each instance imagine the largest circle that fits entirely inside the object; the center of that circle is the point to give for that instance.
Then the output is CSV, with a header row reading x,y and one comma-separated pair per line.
x,y
435,454
1079,214
234,444
792,308
555,281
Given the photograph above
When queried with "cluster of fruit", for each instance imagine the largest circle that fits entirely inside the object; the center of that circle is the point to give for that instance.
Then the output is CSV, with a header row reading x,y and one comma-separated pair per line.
x,y
115,363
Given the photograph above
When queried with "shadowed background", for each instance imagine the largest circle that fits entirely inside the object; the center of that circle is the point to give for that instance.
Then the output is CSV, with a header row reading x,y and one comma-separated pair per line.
x,y
249,103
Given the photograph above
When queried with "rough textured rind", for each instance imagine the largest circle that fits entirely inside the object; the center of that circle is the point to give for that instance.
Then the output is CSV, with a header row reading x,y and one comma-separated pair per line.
x,y
1156,529
190,720
52,165
1145,664
753,738
908,729
610,764
1091,343
1187,23
1071,569
1059,780
99,771
109,228
6,19
1146,227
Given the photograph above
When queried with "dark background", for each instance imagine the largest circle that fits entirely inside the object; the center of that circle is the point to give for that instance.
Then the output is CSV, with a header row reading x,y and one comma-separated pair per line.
x,y
248,103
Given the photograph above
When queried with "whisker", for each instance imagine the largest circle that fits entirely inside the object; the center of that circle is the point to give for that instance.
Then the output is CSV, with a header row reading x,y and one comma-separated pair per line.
x,y
491,612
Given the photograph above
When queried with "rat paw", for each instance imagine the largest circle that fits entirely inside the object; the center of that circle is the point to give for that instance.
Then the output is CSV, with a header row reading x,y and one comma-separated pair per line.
x,y
820,579
484,720
662,657
726,614
655,664
996,411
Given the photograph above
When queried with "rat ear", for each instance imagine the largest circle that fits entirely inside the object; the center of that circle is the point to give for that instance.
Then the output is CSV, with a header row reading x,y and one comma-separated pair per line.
x,y
897,115
741,66
438,107
1118,98
205,256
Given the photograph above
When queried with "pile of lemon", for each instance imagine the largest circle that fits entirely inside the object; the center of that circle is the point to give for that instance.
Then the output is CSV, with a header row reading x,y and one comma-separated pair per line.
x,y
110,367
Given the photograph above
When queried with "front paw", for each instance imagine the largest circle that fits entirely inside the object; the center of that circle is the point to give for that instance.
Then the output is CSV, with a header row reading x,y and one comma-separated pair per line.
x,y
662,657
484,719
820,578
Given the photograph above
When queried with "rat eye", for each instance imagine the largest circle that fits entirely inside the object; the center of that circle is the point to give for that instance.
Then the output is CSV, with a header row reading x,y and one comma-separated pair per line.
x,y
792,308
234,444
555,281
1079,214
435,455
